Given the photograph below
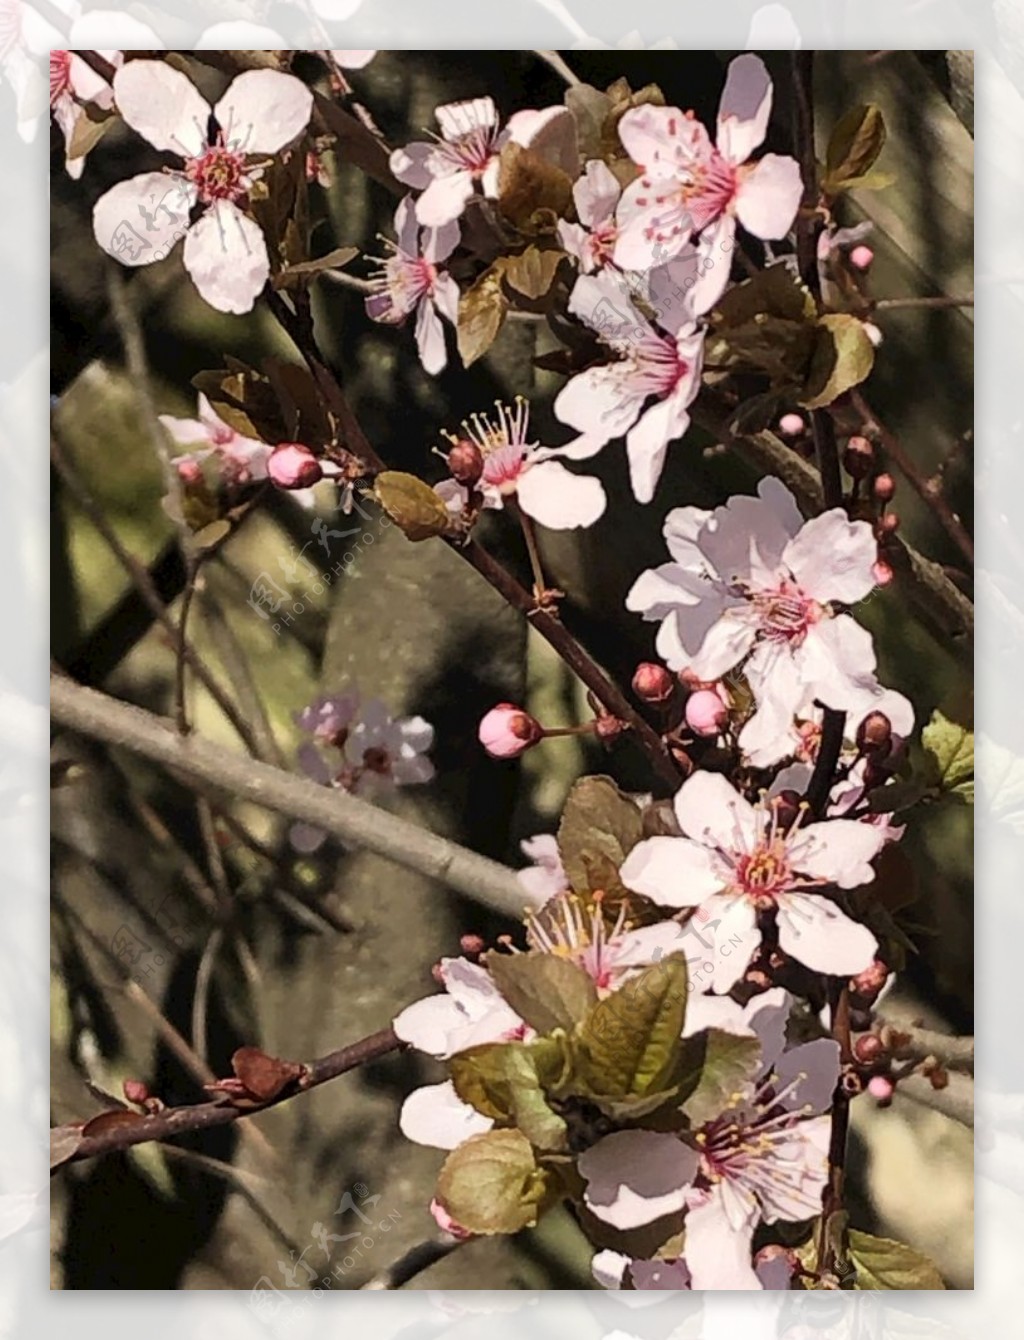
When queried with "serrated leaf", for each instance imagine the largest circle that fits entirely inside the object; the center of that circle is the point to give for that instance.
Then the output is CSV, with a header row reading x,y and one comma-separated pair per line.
x,y
854,145
482,311
599,828
547,991
491,1183
532,272
882,1263
952,749
415,508
501,1081
713,1066
629,1044
843,357
295,276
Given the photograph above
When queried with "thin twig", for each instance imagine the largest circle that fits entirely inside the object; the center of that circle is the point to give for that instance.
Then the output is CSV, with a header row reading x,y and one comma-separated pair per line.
x,y
555,61
414,1262
895,304
347,817
201,995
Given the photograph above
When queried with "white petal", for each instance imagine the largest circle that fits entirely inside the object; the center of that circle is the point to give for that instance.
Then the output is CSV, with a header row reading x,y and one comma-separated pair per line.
x,y
409,164
446,297
648,441
711,811
430,338
428,1024
768,198
724,644
609,1269
444,199
681,529
839,851
837,665
263,110
821,937
718,1240
733,931
672,871
635,1177
227,258
457,118
437,1116
439,243
597,404
749,535
745,108
185,431
596,193
832,557
804,1156
139,220
557,498
649,944
813,1070
603,301
659,591
163,105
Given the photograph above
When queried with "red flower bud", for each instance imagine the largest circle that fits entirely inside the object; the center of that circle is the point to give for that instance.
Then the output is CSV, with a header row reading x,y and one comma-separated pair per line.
x,y
135,1091
858,458
506,731
882,572
874,734
884,487
868,1049
652,683
293,466
472,944
466,462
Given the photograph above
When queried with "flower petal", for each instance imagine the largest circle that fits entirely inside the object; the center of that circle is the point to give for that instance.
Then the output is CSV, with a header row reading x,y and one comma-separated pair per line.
x,y
430,338
712,812
718,1239
749,535
139,220
446,297
444,199
163,106
728,634
597,404
409,164
768,197
596,193
672,871
648,441
635,1177
550,132
839,851
227,258
263,110
821,937
557,498
428,1024
745,108
832,557
813,1071
735,938
837,665
436,1116
458,118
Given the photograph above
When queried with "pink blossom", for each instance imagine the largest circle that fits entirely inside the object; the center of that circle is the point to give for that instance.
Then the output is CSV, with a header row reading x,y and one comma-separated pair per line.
x,y
753,585
515,464
293,466
546,876
72,83
138,221
470,1011
737,861
239,459
592,240
466,154
687,184
411,280
506,731
612,400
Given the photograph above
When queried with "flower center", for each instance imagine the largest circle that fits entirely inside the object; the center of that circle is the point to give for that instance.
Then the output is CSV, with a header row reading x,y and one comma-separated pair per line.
x,y
472,148
377,760
565,926
785,613
60,75
764,872
218,174
703,186
503,441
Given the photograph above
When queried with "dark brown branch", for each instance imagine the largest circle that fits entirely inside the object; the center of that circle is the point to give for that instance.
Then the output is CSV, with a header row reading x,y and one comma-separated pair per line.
x,y
939,303
169,1124
414,1262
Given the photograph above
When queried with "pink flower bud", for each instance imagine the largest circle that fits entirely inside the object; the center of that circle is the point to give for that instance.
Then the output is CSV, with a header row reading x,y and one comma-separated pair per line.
x,y
858,457
652,683
506,731
706,714
135,1091
791,425
883,488
869,982
466,462
446,1223
861,258
881,1089
882,572
868,1049
189,471
293,466
472,944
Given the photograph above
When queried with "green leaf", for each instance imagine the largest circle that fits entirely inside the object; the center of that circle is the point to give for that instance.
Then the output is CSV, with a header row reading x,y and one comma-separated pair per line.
x,y
871,181
415,508
492,1184
715,1065
532,272
843,356
854,146
501,1080
547,991
775,291
590,110
297,275
482,311
599,828
881,1263
245,400
952,749
630,1042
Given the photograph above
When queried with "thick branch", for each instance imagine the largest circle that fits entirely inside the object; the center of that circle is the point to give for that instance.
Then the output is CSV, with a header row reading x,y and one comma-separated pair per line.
x,y
345,816
204,1116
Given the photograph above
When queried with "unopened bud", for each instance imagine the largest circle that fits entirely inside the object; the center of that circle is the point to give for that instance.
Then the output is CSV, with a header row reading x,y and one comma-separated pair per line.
x,y
870,982
706,714
888,524
437,973
506,731
652,683
472,944
868,1049
607,727
938,1078
135,1091
791,425
874,734
466,462
881,1089
883,488
858,458
882,572
447,1224
293,466
189,471
861,258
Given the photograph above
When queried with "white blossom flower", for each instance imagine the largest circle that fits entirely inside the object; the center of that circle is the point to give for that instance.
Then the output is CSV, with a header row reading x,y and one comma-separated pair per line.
x,y
469,1012
545,876
411,280
240,459
737,861
658,366
596,194
752,584
72,83
687,183
436,1116
138,221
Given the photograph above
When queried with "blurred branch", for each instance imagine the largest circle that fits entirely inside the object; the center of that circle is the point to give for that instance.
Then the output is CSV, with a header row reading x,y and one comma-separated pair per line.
x,y
895,304
175,1121
559,66
414,1262
956,1100
345,816
922,1044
